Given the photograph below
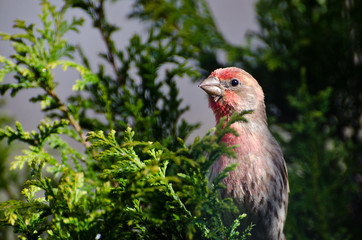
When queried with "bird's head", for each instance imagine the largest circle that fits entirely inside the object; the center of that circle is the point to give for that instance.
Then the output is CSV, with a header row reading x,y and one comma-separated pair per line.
x,y
232,89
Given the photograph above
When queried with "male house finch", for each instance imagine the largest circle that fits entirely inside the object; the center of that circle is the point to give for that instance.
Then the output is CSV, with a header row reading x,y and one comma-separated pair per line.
x,y
259,184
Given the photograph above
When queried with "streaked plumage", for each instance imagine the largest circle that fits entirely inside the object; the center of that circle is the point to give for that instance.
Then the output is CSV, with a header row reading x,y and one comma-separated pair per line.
x,y
259,184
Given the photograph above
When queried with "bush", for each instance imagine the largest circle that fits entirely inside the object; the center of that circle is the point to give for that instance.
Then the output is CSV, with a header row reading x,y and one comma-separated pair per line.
x,y
142,182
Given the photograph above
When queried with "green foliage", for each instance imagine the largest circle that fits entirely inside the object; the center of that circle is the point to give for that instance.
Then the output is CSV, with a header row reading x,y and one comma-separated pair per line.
x,y
321,38
310,50
146,182
8,180
321,198
142,182
134,198
143,83
37,54
188,23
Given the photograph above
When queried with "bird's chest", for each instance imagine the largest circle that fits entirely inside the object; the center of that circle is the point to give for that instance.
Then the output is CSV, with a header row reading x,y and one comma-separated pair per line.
x,y
245,183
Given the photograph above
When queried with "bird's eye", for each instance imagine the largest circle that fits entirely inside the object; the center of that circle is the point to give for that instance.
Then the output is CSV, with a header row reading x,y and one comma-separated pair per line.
x,y
234,82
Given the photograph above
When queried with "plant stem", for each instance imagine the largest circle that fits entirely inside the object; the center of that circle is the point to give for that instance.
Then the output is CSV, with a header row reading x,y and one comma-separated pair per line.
x,y
101,23
70,117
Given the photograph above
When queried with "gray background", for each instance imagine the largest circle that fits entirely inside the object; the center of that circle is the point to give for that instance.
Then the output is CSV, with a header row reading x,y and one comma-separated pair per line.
x,y
233,17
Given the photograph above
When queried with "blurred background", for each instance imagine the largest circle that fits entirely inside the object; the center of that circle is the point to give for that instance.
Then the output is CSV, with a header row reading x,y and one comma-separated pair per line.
x,y
306,54
233,18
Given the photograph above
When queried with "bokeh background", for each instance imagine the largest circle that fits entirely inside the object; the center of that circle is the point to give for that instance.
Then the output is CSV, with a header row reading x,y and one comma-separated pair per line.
x,y
234,18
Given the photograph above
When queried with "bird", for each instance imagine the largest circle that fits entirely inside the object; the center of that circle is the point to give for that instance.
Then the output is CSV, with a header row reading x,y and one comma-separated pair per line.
x,y
259,184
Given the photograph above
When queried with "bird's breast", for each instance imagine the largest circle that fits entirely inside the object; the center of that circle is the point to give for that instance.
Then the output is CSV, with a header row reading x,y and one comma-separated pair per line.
x,y
253,166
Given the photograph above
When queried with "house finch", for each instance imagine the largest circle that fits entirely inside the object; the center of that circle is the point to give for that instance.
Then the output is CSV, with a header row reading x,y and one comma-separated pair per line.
x,y
259,184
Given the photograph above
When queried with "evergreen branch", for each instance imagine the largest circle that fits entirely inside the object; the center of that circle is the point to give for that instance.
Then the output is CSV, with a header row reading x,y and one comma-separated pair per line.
x,y
106,29
70,117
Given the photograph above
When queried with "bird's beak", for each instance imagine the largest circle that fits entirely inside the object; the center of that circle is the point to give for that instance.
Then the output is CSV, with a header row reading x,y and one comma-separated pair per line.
x,y
212,87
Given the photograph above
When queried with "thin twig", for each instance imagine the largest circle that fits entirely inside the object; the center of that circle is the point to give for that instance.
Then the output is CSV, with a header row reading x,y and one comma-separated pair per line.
x,y
70,117
107,39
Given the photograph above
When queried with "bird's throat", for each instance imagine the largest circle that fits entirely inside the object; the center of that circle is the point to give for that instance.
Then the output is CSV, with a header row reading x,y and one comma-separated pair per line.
x,y
220,108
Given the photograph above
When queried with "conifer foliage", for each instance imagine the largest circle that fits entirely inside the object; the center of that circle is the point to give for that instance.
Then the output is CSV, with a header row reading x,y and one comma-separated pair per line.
x,y
135,177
